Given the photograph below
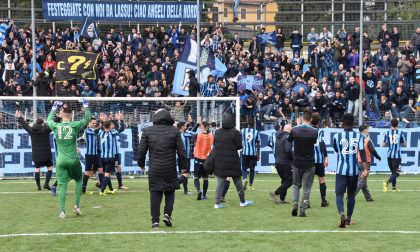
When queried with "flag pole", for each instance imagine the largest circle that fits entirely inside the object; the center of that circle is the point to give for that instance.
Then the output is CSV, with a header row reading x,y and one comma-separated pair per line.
x,y
198,55
198,41
34,104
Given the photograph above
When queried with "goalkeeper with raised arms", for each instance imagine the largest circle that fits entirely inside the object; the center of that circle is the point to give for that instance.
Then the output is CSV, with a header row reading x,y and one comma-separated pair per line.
x,y
68,163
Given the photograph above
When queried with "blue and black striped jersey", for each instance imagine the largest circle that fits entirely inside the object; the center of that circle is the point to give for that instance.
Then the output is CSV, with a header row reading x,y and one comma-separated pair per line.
x,y
272,142
107,142
186,140
320,150
119,127
91,139
394,139
250,138
346,145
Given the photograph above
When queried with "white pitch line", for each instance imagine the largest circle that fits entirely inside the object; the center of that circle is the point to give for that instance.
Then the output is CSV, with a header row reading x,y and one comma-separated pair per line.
x,y
139,191
216,232
146,181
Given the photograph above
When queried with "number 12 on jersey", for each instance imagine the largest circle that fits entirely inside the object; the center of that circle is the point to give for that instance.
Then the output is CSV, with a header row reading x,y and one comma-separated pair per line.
x,y
66,131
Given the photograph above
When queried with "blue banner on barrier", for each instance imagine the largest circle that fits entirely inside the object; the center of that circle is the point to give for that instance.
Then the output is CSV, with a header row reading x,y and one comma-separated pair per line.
x,y
15,151
120,11
410,154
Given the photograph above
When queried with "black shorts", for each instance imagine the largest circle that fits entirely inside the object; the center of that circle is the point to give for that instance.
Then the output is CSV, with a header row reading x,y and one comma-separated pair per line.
x,y
92,162
188,166
346,183
320,170
117,159
109,165
394,164
248,162
43,163
199,171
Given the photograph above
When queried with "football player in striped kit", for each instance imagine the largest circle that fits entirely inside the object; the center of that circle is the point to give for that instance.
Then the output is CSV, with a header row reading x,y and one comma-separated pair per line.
x,y
118,123
92,157
250,153
321,159
347,172
107,144
186,136
394,139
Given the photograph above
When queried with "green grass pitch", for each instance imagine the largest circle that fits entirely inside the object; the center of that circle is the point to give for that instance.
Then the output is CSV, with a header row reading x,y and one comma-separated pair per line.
x,y
23,210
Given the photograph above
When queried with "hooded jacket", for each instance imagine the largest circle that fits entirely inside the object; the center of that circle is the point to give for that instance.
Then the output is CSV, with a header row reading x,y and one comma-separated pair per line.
x,y
227,142
283,150
40,138
163,142
194,86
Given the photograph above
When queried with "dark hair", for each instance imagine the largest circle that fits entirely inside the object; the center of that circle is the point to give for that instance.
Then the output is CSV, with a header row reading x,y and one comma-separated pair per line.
x,y
67,110
251,122
205,124
277,127
363,127
307,115
316,119
180,125
39,121
106,124
348,121
93,118
394,123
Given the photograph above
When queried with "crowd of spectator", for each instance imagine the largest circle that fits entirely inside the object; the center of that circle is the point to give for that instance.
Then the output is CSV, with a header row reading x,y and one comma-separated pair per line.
x,y
142,64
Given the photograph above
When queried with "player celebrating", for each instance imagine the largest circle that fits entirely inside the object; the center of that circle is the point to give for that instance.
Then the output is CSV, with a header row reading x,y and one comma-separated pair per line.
x,y
394,139
366,148
250,153
321,159
186,137
41,148
346,147
68,163
119,124
203,145
92,156
107,144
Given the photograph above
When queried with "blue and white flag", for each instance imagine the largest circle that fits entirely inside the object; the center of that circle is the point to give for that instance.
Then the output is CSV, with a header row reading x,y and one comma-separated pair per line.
x,y
89,29
250,82
3,30
188,61
267,38
220,68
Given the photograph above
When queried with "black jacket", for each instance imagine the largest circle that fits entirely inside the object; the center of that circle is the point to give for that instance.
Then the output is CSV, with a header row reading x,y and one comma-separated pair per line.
x,y
227,142
352,90
194,86
163,141
40,138
283,151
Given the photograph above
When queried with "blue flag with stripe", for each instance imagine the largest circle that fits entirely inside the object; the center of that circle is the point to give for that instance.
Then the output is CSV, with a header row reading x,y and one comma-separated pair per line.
x,y
89,29
188,61
269,38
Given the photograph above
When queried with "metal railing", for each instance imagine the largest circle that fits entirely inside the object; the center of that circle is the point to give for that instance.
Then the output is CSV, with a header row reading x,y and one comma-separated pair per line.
x,y
289,15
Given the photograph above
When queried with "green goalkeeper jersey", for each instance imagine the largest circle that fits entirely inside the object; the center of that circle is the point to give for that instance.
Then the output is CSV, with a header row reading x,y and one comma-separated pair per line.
x,y
65,134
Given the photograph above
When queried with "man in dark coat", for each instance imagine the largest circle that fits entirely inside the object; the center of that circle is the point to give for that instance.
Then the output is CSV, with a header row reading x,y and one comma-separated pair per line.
x,y
41,148
284,157
227,142
194,86
164,143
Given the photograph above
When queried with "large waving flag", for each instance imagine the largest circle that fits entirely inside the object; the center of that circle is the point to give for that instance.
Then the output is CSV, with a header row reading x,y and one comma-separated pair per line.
x,y
89,29
3,30
267,38
188,61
